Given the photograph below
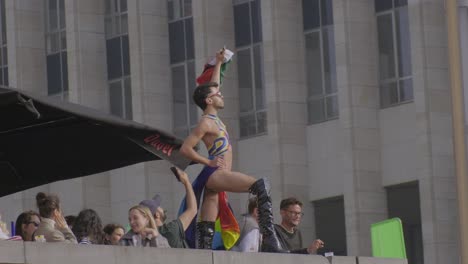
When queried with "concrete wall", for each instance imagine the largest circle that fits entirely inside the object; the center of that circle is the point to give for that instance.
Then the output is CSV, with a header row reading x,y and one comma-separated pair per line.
x,y
47,253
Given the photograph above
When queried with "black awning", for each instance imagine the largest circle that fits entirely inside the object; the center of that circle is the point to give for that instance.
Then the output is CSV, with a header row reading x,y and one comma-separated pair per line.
x,y
43,140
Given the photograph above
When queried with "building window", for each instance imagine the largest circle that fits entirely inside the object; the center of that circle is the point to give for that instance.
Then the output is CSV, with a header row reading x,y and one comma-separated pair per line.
x,y
118,58
330,225
396,85
56,50
3,47
182,58
322,99
248,34
403,202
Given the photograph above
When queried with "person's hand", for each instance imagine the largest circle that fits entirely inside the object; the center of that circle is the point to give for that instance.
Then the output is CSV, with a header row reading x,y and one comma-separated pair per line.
x,y
183,177
149,233
218,161
220,56
317,244
60,221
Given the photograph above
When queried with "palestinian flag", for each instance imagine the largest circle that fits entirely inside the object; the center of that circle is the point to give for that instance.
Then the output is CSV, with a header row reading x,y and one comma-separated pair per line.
x,y
209,67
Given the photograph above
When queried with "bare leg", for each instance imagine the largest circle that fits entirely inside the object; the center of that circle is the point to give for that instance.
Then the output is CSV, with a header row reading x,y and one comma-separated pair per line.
x,y
209,210
230,181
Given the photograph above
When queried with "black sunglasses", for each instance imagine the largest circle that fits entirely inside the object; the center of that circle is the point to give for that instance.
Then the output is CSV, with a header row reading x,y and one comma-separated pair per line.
x,y
34,223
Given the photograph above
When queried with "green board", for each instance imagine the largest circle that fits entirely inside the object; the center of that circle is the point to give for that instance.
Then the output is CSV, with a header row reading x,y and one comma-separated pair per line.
x,y
387,239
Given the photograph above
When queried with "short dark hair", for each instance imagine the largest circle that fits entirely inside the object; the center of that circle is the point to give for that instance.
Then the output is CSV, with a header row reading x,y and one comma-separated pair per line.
x,y
110,228
47,203
201,92
70,219
285,203
252,204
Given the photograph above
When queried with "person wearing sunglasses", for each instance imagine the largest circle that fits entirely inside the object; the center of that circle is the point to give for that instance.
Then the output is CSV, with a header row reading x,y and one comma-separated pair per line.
x,y
289,235
26,225
216,178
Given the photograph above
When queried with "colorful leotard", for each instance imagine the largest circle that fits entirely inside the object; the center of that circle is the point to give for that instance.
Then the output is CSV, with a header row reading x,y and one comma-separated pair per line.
x,y
227,228
221,143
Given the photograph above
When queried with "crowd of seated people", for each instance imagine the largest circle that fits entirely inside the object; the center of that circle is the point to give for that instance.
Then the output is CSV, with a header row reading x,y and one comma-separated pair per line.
x,y
147,225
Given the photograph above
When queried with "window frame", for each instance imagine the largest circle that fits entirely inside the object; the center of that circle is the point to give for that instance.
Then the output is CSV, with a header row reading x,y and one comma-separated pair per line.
x,y
256,110
324,96
111,34
58,35
396,67
184,130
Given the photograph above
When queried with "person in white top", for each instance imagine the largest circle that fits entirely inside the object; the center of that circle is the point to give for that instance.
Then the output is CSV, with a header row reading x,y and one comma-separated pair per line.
x,y
250,237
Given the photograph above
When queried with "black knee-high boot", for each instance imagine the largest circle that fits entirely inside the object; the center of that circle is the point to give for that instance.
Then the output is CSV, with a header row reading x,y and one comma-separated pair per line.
x,y
265,217
205,230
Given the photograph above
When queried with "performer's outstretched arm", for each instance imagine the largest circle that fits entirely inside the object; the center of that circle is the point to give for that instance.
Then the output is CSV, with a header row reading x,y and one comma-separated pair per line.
x,y
216,77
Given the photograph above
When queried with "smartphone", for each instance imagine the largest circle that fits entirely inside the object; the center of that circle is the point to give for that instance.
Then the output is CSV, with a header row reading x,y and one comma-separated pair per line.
x,y
176,173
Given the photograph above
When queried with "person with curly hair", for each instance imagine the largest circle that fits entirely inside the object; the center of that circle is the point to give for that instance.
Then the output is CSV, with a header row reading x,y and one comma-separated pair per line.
x,y
27,224
88,228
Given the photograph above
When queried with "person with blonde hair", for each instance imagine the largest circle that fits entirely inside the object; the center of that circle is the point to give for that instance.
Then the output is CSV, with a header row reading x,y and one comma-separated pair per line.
x,y
143,232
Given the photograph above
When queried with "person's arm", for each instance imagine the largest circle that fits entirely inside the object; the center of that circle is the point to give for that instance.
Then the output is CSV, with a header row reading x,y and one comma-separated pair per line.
x,y
192,140
216,77
187,216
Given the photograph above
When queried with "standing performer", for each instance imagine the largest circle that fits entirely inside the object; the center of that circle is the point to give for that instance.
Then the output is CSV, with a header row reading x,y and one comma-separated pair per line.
x,y
217,177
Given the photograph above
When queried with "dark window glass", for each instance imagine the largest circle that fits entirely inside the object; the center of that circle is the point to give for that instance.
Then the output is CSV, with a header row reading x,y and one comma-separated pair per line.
x,y
5,76
245,80
125,55
177,41
187,8
256,21
189,39
386,49
64,71
170,9
388,94
4,61
242,25
399,3
258,72
316,110
247,125
180,97
314,63
332,106
114,59
403,202
383,5
261,122
53,19
403,42
3,21
62,14
330,225
116,98
123,6
326,7
406,90
310,14
191,88
329,61
54,80
128,98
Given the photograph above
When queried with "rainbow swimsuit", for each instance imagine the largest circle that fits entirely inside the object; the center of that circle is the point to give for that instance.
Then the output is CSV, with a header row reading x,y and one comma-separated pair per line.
x,y
227,228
